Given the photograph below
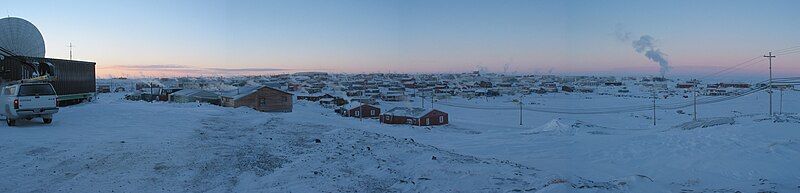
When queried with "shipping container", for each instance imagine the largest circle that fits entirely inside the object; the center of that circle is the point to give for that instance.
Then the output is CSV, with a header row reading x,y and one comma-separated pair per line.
x,y
74,81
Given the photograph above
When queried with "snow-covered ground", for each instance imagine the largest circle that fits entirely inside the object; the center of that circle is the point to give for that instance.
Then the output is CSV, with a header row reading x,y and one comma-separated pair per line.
x,y
117,145
752,154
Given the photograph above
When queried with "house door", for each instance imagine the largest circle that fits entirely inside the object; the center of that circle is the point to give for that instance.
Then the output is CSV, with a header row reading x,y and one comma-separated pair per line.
x,y
427,121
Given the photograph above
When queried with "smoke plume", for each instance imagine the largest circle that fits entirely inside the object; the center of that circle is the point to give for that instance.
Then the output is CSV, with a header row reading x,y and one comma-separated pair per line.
x,y
646,45
622,34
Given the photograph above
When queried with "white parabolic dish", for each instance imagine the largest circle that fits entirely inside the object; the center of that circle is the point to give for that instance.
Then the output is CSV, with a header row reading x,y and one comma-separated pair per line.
x,y
21,37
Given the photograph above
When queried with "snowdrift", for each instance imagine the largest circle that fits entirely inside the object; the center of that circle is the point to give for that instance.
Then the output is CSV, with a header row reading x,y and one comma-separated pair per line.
x,y
782,118
560,126
556,126
705,122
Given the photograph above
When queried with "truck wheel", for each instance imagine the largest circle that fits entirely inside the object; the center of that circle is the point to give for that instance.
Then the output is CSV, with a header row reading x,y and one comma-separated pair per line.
x,y
47,120
11,122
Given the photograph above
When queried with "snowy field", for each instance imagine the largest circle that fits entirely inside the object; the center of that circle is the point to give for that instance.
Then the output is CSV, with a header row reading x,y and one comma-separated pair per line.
x,y
114,145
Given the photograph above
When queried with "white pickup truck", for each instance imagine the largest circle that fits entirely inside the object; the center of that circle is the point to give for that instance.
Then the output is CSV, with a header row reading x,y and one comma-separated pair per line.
x,y
28,101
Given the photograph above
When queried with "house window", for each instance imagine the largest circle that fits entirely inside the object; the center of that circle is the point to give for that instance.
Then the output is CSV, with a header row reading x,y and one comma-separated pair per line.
x,y
441,119
371,112
262,102
358,113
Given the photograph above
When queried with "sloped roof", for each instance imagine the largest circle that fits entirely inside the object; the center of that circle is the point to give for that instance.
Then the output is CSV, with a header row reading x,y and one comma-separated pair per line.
x,y
408,111
196,93
247,90
353,105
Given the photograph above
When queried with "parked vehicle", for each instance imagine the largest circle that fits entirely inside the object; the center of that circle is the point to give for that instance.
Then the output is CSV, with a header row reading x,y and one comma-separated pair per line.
x,y
28,101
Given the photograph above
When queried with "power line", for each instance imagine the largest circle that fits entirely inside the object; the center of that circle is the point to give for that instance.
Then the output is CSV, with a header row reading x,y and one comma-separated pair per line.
x,y
787,53
785,49
745,63
635,108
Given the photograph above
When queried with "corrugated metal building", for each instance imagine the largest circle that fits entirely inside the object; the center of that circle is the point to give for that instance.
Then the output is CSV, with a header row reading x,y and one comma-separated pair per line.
x,y
74,80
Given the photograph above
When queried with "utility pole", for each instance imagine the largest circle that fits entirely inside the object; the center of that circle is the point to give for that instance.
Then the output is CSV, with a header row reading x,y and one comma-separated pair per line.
x,y
433,99
654,106
694,94
770,56
70,50
361,112
780,109
520,112
423,101
361,107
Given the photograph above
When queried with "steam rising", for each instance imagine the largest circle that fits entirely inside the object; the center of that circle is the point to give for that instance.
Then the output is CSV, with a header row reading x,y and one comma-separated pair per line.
x,y
645,45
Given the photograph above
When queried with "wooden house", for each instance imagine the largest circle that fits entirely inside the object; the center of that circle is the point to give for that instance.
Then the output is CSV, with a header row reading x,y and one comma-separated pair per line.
x,y
414,116
360,110
393,96
331,102
366,100
261,98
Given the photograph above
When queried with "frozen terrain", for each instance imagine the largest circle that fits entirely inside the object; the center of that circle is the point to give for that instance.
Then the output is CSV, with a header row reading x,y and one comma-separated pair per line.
x,y
115,145
127,146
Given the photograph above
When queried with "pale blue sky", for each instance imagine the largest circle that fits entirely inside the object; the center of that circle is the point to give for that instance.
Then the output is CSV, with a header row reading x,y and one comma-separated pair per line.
x,y
413,36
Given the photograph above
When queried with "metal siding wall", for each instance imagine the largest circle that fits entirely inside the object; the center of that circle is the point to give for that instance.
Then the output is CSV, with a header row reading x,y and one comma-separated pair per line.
x,y
73,77
14,67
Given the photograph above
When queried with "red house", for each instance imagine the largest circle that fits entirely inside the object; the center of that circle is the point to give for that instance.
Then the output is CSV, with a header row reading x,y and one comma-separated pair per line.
x,y
360,110
414,116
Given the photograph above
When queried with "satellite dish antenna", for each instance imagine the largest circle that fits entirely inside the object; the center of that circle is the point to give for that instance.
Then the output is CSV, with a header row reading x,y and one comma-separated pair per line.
x,y
21,37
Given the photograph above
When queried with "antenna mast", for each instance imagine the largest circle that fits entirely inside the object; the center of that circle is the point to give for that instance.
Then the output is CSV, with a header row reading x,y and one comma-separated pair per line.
x,y
70,50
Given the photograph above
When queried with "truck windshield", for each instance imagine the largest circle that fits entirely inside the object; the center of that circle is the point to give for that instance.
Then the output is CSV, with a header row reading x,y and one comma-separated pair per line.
x,y
36,90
